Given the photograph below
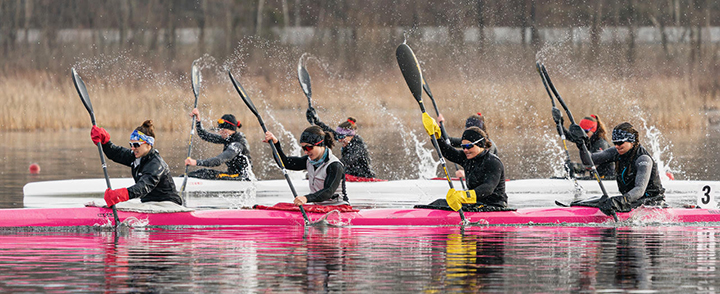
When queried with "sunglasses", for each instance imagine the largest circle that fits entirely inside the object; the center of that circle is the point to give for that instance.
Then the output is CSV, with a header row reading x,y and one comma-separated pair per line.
x,y
340,137
307,148
136,144
470,145
617,143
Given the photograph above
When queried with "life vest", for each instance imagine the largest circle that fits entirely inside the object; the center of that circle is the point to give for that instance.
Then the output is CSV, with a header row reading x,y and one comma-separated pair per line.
x,y
626,172
317,176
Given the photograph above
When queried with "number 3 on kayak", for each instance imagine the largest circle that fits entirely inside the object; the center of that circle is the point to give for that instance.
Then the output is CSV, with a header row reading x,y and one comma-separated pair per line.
x,y
707,197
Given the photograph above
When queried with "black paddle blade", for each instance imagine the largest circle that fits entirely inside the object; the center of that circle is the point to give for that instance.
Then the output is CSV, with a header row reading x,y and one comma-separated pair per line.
x,y
243,95
304,79
195,78
410,69
82,91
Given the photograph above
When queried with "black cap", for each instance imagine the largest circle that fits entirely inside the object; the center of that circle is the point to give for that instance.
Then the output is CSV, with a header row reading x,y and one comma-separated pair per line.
x,y
229,122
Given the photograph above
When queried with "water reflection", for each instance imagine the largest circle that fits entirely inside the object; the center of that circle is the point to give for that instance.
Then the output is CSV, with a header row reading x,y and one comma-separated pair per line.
x,y
424,259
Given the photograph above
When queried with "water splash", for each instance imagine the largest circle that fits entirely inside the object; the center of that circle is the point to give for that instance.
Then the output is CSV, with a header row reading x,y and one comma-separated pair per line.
x,y
655,140
426,165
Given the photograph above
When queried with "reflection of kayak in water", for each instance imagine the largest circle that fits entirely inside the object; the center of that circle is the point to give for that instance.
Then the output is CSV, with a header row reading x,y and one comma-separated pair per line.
x,y
97,216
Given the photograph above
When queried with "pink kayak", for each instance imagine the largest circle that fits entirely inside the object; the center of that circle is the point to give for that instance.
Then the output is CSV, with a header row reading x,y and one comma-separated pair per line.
x,y
97,216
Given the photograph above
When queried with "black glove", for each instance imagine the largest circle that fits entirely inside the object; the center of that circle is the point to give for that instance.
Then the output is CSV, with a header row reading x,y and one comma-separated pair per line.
x,y
557,116
311,115
577,135
615,204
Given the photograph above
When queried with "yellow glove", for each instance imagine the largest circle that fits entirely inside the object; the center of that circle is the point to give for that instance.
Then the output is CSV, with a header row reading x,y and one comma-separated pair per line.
x,y
431,126
456,198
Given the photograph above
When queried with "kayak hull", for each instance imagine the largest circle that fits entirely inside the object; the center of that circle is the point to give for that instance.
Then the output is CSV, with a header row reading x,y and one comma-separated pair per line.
x,y
96,216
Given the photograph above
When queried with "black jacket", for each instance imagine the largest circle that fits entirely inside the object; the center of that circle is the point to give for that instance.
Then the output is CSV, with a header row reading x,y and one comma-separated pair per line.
x,y
235,155
354,156
150,172
484,173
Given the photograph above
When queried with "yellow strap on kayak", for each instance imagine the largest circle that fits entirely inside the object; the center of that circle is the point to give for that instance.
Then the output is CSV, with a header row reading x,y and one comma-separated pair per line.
x,y
456,198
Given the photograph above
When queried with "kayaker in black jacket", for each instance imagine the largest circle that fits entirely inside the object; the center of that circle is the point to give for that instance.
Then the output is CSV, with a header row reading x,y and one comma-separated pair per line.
x,y
595,130
153,182
236,154
475,120
354,153
485,173
326,174
637,174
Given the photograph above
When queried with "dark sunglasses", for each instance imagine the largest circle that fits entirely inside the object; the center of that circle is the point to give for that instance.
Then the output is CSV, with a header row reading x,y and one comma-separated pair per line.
x,y
470,145
617,143
340,137
308,148
136,144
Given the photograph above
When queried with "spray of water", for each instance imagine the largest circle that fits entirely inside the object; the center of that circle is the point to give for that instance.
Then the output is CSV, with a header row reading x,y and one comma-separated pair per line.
x,y
426,165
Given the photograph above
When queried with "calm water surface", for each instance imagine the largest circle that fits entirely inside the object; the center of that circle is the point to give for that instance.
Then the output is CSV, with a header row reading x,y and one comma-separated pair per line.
x,y
364,260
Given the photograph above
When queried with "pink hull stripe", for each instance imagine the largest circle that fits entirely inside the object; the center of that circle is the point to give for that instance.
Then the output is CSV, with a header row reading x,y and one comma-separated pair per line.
x,y
91,216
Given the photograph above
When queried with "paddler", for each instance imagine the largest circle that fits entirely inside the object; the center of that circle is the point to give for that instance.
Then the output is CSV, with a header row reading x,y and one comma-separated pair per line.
x,y
354,153
153,182
636,172
595,129
484,172
235,154
326,173
475,120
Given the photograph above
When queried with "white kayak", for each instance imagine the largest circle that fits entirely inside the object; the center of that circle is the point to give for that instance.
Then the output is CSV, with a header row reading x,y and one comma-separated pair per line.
x,y
388,194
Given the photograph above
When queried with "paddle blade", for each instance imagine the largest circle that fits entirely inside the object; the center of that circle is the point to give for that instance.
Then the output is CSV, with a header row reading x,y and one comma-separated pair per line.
x,y
195,78
304,78
410,69
82,91
243,95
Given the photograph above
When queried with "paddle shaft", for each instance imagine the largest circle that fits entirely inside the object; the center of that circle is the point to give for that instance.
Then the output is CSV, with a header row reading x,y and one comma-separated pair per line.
x,y
560,130
442,126
583,148
276,155
84,97
192,132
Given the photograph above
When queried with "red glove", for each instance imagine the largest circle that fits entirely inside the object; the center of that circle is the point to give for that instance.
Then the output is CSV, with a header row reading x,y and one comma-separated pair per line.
x,y
99,135
113,197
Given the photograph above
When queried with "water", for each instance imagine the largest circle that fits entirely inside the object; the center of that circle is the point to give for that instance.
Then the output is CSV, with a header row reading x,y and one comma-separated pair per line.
x,y
644,257
363,260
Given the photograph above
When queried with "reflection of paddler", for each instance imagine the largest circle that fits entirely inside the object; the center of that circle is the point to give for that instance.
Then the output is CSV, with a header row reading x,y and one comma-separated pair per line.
x,y
470,258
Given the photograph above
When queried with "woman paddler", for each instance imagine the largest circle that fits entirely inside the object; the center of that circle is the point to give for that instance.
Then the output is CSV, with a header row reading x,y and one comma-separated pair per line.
x,y
484,172
636,172
153,182
354,153
325,171
595,129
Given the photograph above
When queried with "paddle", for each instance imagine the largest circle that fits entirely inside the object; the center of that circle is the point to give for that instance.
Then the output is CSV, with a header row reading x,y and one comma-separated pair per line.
x,y
579,133
195,79
557,116
410,69
304,79
445,137
276,156
82,91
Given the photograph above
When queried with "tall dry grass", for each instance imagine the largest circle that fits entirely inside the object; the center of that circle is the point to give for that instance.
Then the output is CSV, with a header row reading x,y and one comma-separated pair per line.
x,y
42,101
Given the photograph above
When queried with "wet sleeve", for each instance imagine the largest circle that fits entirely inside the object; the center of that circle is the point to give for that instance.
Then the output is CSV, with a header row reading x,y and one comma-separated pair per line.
x,y
451,153
233,150
292,162
151,173
335,174
207,136
643,164
455,142
354,155
490,179
601,157
325,127
118,154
